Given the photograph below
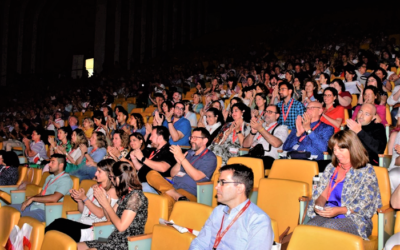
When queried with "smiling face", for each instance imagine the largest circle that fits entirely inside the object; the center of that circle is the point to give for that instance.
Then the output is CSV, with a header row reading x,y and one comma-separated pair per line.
x,y
135,143
260,102
329,98
237,114
179,110
210,118
93,139
309,88
132,121
117,140
97,122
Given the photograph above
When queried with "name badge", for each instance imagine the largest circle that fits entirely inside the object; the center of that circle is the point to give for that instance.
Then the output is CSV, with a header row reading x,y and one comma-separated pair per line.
x,y
180,174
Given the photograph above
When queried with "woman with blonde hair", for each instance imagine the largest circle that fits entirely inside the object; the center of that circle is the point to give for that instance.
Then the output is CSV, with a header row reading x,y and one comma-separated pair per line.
x,y
75,158
347,195
88,127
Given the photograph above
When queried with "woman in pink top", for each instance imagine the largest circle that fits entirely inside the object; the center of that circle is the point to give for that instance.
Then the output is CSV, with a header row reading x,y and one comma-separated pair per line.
x,y
371,95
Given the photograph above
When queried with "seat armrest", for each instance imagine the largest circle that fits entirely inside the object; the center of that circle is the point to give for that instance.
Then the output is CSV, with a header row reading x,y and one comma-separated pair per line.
x,y
17,196
11,187
204,183
244,151
304,198
385,209
384,160
73,212
74,215
5,197
204,192
102,229
142,242
52,211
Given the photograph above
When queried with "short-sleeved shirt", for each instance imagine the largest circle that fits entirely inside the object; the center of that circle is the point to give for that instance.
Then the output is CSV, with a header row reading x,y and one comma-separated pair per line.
x,y
281,132
334,113
98,154
182,125
162,155
39,148
62,184
206,163
344,94
297,108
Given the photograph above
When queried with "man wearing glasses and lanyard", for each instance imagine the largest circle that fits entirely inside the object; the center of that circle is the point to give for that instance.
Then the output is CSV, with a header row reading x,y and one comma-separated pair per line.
x,y
239,223
197,165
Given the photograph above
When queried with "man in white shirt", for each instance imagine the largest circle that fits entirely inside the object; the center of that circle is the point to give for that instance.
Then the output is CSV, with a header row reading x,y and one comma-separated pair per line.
x,y
270,135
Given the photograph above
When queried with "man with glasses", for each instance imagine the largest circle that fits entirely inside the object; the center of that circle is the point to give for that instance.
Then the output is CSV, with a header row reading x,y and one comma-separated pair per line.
x,y
371,134
196,165
178,126
237,223
290,108
270,135
310,134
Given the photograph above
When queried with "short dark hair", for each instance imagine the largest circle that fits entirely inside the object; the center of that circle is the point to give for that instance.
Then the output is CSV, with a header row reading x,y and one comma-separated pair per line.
x,y
288,85
159,95
100,116
341,83
39,131
169,105
123,111
10,158
163,131
204,132
335,94
241,174
218,113
278,110
246,111
179,103
60,159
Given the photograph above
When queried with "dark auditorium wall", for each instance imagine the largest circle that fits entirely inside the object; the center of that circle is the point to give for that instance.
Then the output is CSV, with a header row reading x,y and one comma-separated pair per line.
x,y
41,36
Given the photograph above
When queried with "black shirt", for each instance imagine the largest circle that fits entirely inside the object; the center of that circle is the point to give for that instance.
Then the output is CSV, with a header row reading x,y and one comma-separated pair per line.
x,y
163,155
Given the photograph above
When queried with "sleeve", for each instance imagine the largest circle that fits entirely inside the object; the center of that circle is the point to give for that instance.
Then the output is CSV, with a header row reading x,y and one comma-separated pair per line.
x,y
317,141
381,111
203,240
169,158
64,185
376,143
134,202
291,140
260,231
185,127
99,154
165,123
281,133
391,100
208,166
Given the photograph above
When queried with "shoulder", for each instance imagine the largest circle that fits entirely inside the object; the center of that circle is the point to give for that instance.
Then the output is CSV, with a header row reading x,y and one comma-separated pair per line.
x,y
257,215
345,93
326,127
112,193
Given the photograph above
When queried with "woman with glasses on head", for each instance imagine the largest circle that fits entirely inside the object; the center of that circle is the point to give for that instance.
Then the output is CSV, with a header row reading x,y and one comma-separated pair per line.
x,y
88,206
231,136
333,113
129,214
371,96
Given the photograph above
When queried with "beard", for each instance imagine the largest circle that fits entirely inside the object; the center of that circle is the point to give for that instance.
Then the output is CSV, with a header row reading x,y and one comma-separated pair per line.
x,y
195,146
177,116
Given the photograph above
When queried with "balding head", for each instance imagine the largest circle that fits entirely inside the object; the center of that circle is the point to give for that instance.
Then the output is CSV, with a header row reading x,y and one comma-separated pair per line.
x,y
314,110
366,114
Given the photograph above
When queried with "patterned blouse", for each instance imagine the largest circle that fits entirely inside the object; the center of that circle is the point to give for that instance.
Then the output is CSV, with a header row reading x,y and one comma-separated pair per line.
x,y
360,193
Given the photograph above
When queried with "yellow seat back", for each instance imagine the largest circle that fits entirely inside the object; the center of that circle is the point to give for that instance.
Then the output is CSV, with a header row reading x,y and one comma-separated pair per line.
x,y
34,176
165,237
280,200
158,208
214,195
22,171
388,116
9,217
68,205
43,178
87,184
219,164
37,233
274,226
257,165
295,170
190,214
354,100
75,182
312,238
397,223
57,240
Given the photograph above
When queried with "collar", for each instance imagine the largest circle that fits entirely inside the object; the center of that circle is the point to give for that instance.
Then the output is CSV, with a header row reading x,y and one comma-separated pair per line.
x,y
272,124
192,153
55,176
314,123
236,209
213,127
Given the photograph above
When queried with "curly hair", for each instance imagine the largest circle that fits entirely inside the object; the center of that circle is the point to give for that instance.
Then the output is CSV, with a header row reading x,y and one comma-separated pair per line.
x,y
80,138
124,138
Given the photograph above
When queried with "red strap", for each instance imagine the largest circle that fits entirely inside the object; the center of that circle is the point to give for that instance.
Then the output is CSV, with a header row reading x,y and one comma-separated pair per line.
x,y
219,234
315,127
205,152
285,115
47,185
153,154
271,128
330,188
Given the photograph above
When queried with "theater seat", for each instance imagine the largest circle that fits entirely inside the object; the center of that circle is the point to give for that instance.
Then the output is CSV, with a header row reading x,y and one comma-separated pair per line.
x,y
37,233
57,240
9,217
315,238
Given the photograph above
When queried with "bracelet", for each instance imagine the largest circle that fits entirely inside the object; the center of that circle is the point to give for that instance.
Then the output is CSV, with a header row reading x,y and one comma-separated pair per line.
x,y
85,200
170,122
261,129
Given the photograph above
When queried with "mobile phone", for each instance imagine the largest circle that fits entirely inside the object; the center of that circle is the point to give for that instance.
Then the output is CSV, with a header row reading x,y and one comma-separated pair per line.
x,y
319,207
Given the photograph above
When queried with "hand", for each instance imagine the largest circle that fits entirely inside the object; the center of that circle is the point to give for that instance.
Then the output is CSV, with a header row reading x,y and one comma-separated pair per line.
x,y
177,152
149,128
127,130
26,203
255,125
237,126
168,115
25,140
61,150
329,212
303,93
101,196
299,126
353,126
83,148
91,163
306,122
114,151
78,194
393,77
138,153
254,113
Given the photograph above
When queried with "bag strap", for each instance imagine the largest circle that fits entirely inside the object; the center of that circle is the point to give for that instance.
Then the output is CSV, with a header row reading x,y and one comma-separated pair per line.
x,y
272,133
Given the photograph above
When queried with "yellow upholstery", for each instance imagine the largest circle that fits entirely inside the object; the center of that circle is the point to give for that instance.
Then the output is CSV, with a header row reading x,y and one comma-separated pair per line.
x,y
214,198
165,237
294,170
43,178
21,174
257,165
354,100
37,233
312,238
346,116
34,176
397,223
396,247
57,240
280,200
32,190
75,182
68,205
158,208
137,110
9,217
190,214
219,164
5,197
388,116
150,109
274,226
87,184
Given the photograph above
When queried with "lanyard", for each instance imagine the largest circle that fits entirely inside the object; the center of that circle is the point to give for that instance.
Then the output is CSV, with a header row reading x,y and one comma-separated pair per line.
x,y
330,188
92,202
234,136
48,183
93,150
259,137
285,115
221,234
315,127
205,152
153,154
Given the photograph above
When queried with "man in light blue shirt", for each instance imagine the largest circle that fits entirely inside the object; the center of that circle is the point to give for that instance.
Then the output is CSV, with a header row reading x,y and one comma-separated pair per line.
x,y
239,224
55,187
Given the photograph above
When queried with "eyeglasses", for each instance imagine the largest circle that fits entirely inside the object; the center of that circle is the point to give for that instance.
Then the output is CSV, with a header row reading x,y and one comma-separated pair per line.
x,y
313,107
195,137
328,95
223,182
282,89
181,109
270,112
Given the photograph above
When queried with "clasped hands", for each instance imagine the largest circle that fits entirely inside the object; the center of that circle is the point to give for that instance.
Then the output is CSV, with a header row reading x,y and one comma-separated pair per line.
x,y
303,124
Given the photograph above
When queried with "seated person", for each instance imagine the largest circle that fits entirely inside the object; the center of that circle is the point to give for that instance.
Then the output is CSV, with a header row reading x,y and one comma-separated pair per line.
x,y
394,168
73,122
88,127
63,141
372,96
128,215
57,123
310,134
88,206
55,187
137,124
198,165
14,138
270,135
35,151
122,118
395,202
333,113
189,113
9,163
94,154
75,158
159,158
120,146
371,134
347,195
179,127
251,226
212,120
290,108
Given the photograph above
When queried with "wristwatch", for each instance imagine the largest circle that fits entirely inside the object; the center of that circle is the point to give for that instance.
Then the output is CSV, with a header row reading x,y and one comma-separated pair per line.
x,y
143,159
239,132
348,211
309,131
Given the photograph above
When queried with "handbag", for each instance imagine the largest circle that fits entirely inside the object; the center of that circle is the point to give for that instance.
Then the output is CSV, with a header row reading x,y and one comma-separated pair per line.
x,y
298,154
19,238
